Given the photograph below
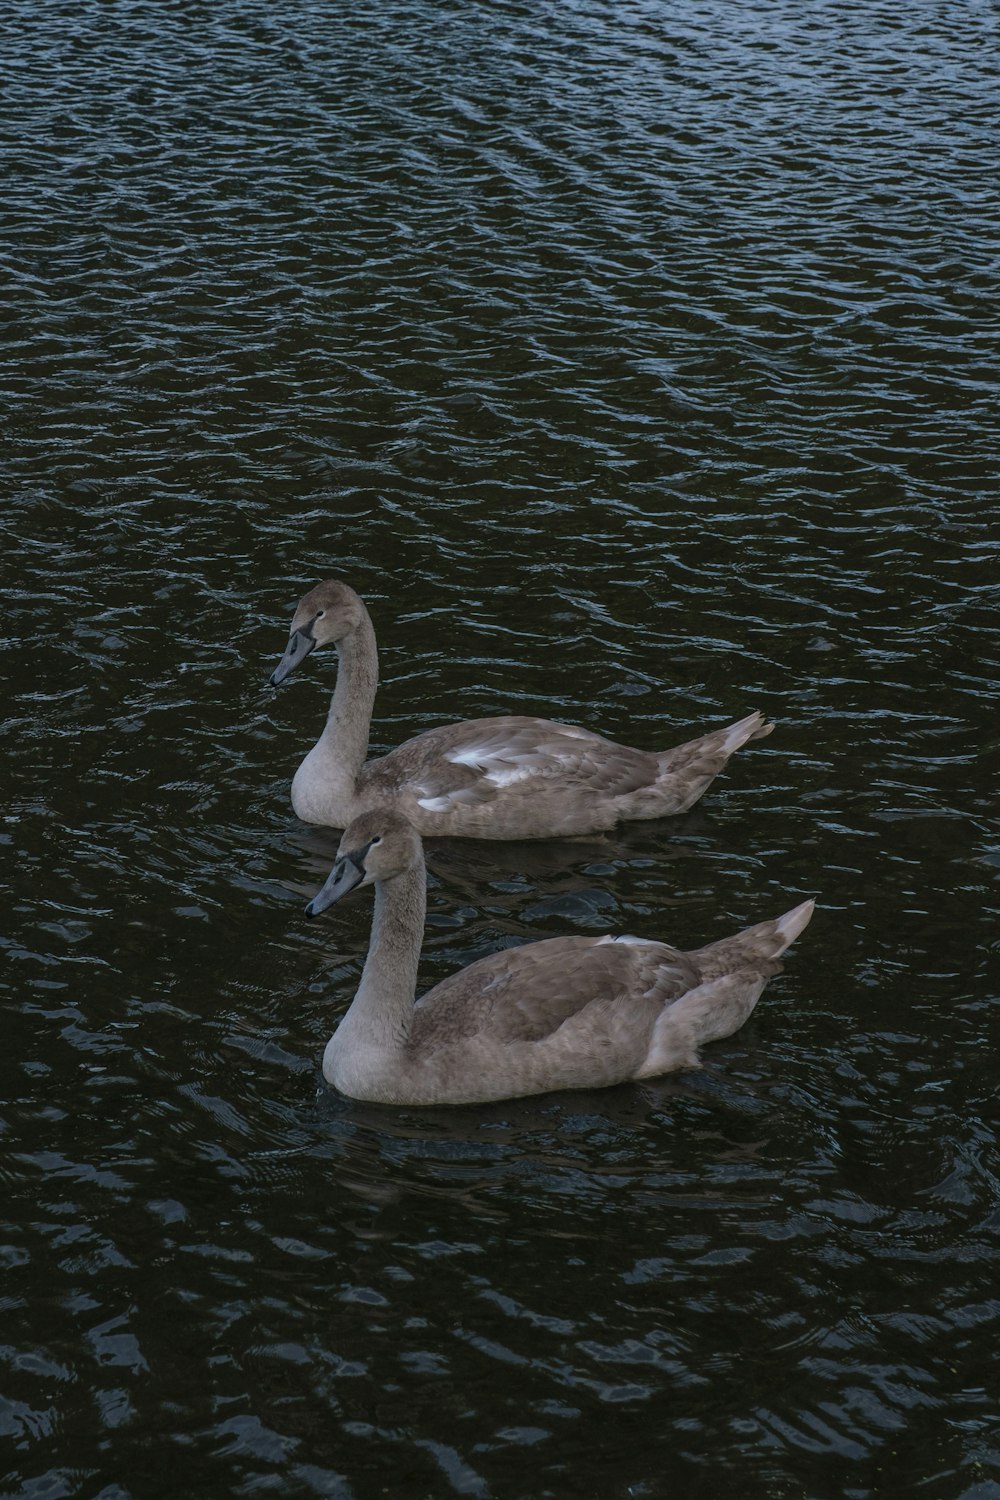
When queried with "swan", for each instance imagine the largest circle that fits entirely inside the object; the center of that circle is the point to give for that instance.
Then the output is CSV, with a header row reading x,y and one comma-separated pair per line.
x,y
501,778
564,1013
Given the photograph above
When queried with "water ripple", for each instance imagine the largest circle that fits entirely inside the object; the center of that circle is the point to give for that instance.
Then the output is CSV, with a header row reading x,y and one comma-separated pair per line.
x,y
638,369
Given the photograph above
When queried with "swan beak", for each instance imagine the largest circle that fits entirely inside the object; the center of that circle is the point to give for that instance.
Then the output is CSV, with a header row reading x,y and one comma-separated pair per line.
x,y
300,643
345,875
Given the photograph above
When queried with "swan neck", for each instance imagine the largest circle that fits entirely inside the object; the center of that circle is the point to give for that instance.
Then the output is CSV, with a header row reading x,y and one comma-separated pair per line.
x,y
348,723
383,1005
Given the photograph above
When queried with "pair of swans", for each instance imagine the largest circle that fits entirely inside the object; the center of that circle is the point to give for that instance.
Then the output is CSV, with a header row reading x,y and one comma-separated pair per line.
x,y
564,1013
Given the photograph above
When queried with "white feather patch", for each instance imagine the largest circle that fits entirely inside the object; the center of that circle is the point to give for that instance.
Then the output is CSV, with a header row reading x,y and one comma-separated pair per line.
x,y
472,755
500,767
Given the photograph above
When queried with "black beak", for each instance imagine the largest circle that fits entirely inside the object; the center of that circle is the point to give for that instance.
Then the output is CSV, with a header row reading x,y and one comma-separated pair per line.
x,y
300,643
348,872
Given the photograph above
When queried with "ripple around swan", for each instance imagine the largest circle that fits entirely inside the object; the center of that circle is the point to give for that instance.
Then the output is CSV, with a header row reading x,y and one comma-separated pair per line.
x,y
639,369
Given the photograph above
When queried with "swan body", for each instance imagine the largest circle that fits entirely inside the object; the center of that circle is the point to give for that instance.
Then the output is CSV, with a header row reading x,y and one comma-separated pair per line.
x,y
501,778
564,1013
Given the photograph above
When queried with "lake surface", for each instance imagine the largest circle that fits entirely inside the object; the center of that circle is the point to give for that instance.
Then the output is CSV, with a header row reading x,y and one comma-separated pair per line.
x,y
638,364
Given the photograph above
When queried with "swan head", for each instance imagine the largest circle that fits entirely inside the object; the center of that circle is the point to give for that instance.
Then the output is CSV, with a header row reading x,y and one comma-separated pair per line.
x,y
329,612
376,846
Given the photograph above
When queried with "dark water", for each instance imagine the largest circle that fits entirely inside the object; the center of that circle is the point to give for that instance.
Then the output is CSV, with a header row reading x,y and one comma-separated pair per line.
x,y
638,363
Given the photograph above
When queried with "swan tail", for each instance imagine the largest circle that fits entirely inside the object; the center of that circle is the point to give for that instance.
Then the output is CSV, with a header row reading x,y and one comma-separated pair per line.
x,y
761,944
734,974
713,1010
686,772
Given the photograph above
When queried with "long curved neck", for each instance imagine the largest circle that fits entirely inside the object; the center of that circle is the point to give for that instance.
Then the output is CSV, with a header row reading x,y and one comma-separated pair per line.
x,y
345,737
381,1010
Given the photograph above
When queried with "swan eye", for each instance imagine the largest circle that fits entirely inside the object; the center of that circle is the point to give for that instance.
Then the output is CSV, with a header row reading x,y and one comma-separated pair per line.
x,y
321,614
376,840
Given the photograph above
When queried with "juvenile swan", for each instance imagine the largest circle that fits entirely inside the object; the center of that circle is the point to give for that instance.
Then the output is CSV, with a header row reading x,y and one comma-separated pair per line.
x,y
505,778
565,1013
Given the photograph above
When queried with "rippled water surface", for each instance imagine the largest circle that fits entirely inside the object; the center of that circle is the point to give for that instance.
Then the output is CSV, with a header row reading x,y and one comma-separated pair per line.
x,y
637,363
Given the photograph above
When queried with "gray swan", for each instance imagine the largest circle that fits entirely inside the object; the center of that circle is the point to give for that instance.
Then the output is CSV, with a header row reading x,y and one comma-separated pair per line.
x,y
502,778
564,1013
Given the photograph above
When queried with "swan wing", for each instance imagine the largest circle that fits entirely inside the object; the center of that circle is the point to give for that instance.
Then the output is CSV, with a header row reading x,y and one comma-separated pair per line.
x,y
477,761
526,994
